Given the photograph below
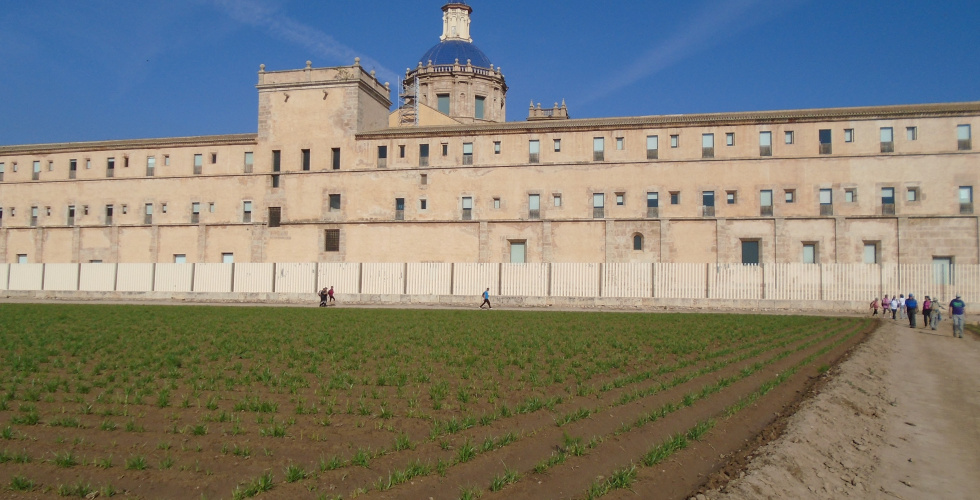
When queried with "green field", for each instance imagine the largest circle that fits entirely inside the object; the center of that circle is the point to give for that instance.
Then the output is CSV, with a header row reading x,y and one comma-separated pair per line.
x,y
327,403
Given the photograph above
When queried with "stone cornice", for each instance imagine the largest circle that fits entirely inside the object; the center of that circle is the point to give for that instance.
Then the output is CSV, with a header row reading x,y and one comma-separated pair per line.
x,y
693,120
168,142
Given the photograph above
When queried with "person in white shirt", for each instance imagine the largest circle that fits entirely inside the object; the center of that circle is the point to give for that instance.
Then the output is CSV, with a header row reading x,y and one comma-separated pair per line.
x,y
901,306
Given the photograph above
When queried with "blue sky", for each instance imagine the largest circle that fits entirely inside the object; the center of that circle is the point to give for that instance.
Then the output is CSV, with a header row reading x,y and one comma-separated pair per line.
x,y
100,69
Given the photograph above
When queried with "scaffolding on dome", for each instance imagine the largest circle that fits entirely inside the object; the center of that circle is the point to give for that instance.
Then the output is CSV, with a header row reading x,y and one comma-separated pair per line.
x,y
408,106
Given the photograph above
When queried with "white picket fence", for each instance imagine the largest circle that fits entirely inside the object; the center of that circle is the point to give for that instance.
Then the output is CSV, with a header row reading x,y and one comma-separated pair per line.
x,y
786,282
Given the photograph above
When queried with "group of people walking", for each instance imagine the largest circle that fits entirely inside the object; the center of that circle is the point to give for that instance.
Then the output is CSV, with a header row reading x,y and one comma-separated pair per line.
x,y
902,307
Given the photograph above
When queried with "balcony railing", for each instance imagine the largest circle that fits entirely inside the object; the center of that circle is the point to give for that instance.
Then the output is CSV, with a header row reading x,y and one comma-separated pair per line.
x,y
423,161
195,218
966,208
248,168
399,215
826,209
964,145
598,212
826,149
467,159
147,219
653,212
765,150
37,176
598,156
653,154
149,171
708,211
707,152
467,214
765,211
888,147
533,158
198,169
71,175
887,209
71,220
534,214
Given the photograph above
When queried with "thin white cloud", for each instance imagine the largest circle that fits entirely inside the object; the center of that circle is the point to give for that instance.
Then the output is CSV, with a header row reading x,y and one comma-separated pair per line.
x,y
714,23
263,15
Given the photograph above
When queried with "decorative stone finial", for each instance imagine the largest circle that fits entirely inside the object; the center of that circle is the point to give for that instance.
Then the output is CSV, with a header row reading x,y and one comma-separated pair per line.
x,y
357,61
262,68
372,73
309,64
469,62
430,62
387,86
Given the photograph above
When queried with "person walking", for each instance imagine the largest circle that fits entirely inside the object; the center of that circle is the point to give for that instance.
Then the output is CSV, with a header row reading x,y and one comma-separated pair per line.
x,y
957,308
901,306
926,312
330,294
894,306
937,313
874,306
486,299
912,309
323,297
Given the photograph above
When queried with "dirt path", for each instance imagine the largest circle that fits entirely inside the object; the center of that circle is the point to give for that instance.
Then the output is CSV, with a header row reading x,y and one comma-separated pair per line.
x,y
900,420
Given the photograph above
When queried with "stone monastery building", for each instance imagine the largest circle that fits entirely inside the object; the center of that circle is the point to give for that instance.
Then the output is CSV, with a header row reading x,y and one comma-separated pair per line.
x,y
333,175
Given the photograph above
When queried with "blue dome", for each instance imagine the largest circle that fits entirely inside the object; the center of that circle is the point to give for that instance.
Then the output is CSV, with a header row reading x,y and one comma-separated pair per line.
x,y
449,51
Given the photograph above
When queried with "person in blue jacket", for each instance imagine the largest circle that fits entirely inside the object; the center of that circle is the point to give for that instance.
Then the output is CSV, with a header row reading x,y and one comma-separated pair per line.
x,y
911,307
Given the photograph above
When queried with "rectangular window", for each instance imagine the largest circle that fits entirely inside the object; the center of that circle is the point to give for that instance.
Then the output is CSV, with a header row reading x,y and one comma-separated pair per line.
x,y
72,169
214,158
71,215
108,215
557,200
911,133
37,171
496,147
247,211
825,137
479,111
966,199
423,155
401,150
276,160
809,253
790,195
399,208
789,137
730,139
423,204
166,161
51,165
731,197
870,253
963,138
620,199
227,258
675,197
306,159
445,149
534,206
424,179
557,145
382,156
275,181
442,103
674,140
331,238
707,145
598,149
249,162
151,165
750,251
34,214
826,202
198,164
110,167
148,213
163,208
195,212
620,143
848,135
496,203
850,195
518,252
887,140
467,204
467,153
180,258
653,147
598,205
335,158
653,204
708,203
334,202
275,216
2,168
912,194
534,151
887,201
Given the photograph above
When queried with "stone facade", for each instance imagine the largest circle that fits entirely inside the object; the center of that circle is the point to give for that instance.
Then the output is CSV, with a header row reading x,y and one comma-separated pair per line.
x,y
331,176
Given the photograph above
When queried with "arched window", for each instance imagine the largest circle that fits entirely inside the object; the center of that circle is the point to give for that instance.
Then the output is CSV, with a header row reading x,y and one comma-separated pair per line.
x,y
637,241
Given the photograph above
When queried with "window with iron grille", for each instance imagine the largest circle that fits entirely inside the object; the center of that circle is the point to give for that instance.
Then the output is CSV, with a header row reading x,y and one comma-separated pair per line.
x,y
247,211
382,156
765,143
276,160
534,151
151,164
534,206
399,208
423,155
198,164
331,239
275,216
707,145
306,159
467,204
887,140
249,162
825,137
335,158
653,147
110,167
963,138
598,149
467,153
